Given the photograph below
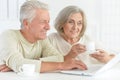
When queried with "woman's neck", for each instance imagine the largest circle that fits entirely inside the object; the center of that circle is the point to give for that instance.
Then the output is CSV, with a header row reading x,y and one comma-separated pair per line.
x,y
71,40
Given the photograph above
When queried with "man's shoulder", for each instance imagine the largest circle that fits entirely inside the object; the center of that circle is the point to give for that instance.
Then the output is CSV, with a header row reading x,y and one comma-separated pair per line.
x,y
9,32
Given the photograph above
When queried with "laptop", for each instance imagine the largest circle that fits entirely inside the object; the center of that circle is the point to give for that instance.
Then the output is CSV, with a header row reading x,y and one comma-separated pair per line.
x,y
95,69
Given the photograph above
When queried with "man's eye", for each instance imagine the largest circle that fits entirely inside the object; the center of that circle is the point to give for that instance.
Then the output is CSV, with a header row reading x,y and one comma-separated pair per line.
x,y
42,21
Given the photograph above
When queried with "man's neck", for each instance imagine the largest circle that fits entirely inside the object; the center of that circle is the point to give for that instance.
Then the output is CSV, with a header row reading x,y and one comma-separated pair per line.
x,y
27,36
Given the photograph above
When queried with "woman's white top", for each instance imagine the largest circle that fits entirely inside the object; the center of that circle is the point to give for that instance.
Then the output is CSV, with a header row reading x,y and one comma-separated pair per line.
x,y
64,47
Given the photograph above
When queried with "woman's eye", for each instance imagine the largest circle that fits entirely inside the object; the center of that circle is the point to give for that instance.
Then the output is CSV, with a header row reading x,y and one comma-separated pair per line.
x,y
79,23
71,22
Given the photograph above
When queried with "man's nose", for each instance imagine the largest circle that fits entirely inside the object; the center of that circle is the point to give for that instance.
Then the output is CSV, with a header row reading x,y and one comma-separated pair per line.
x,y
47,26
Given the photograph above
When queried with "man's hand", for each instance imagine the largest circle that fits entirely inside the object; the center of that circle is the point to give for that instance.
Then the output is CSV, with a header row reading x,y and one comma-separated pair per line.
x,y
4,68
72,64
66,65
102,56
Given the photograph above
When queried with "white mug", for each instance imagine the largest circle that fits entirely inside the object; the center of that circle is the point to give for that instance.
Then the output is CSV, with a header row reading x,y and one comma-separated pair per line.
x,y
90,47
27,69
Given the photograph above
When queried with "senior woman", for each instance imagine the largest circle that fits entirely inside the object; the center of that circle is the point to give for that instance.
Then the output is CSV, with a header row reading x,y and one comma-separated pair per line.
x,y
70,38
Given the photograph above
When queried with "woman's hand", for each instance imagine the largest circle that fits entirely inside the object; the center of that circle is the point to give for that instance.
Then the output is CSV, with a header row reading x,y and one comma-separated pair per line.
x,y
102,56
4,68
75,50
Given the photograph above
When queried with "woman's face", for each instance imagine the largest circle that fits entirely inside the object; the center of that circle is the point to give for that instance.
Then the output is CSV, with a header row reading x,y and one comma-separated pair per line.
x,y
73,26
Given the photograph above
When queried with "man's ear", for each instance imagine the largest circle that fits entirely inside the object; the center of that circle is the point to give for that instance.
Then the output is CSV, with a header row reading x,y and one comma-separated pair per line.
x,y
26,23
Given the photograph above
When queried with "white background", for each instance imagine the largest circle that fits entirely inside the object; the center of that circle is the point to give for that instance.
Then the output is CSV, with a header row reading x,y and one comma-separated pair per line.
x,y
103,17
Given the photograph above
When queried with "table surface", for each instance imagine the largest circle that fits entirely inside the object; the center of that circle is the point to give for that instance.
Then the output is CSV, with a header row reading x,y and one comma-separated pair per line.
x,y
112,74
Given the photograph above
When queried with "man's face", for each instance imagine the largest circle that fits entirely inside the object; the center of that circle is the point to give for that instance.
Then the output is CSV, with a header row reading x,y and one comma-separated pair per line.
x,y
39,25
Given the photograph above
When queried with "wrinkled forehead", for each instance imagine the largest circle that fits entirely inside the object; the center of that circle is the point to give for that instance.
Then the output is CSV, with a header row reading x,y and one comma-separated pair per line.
x,y
42,14
77,16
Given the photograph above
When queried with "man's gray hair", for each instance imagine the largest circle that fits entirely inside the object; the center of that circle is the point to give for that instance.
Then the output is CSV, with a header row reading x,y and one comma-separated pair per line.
x,y
64,15
28,10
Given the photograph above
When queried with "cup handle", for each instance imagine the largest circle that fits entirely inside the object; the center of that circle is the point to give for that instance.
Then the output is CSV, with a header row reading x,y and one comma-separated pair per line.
x,y
20,69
